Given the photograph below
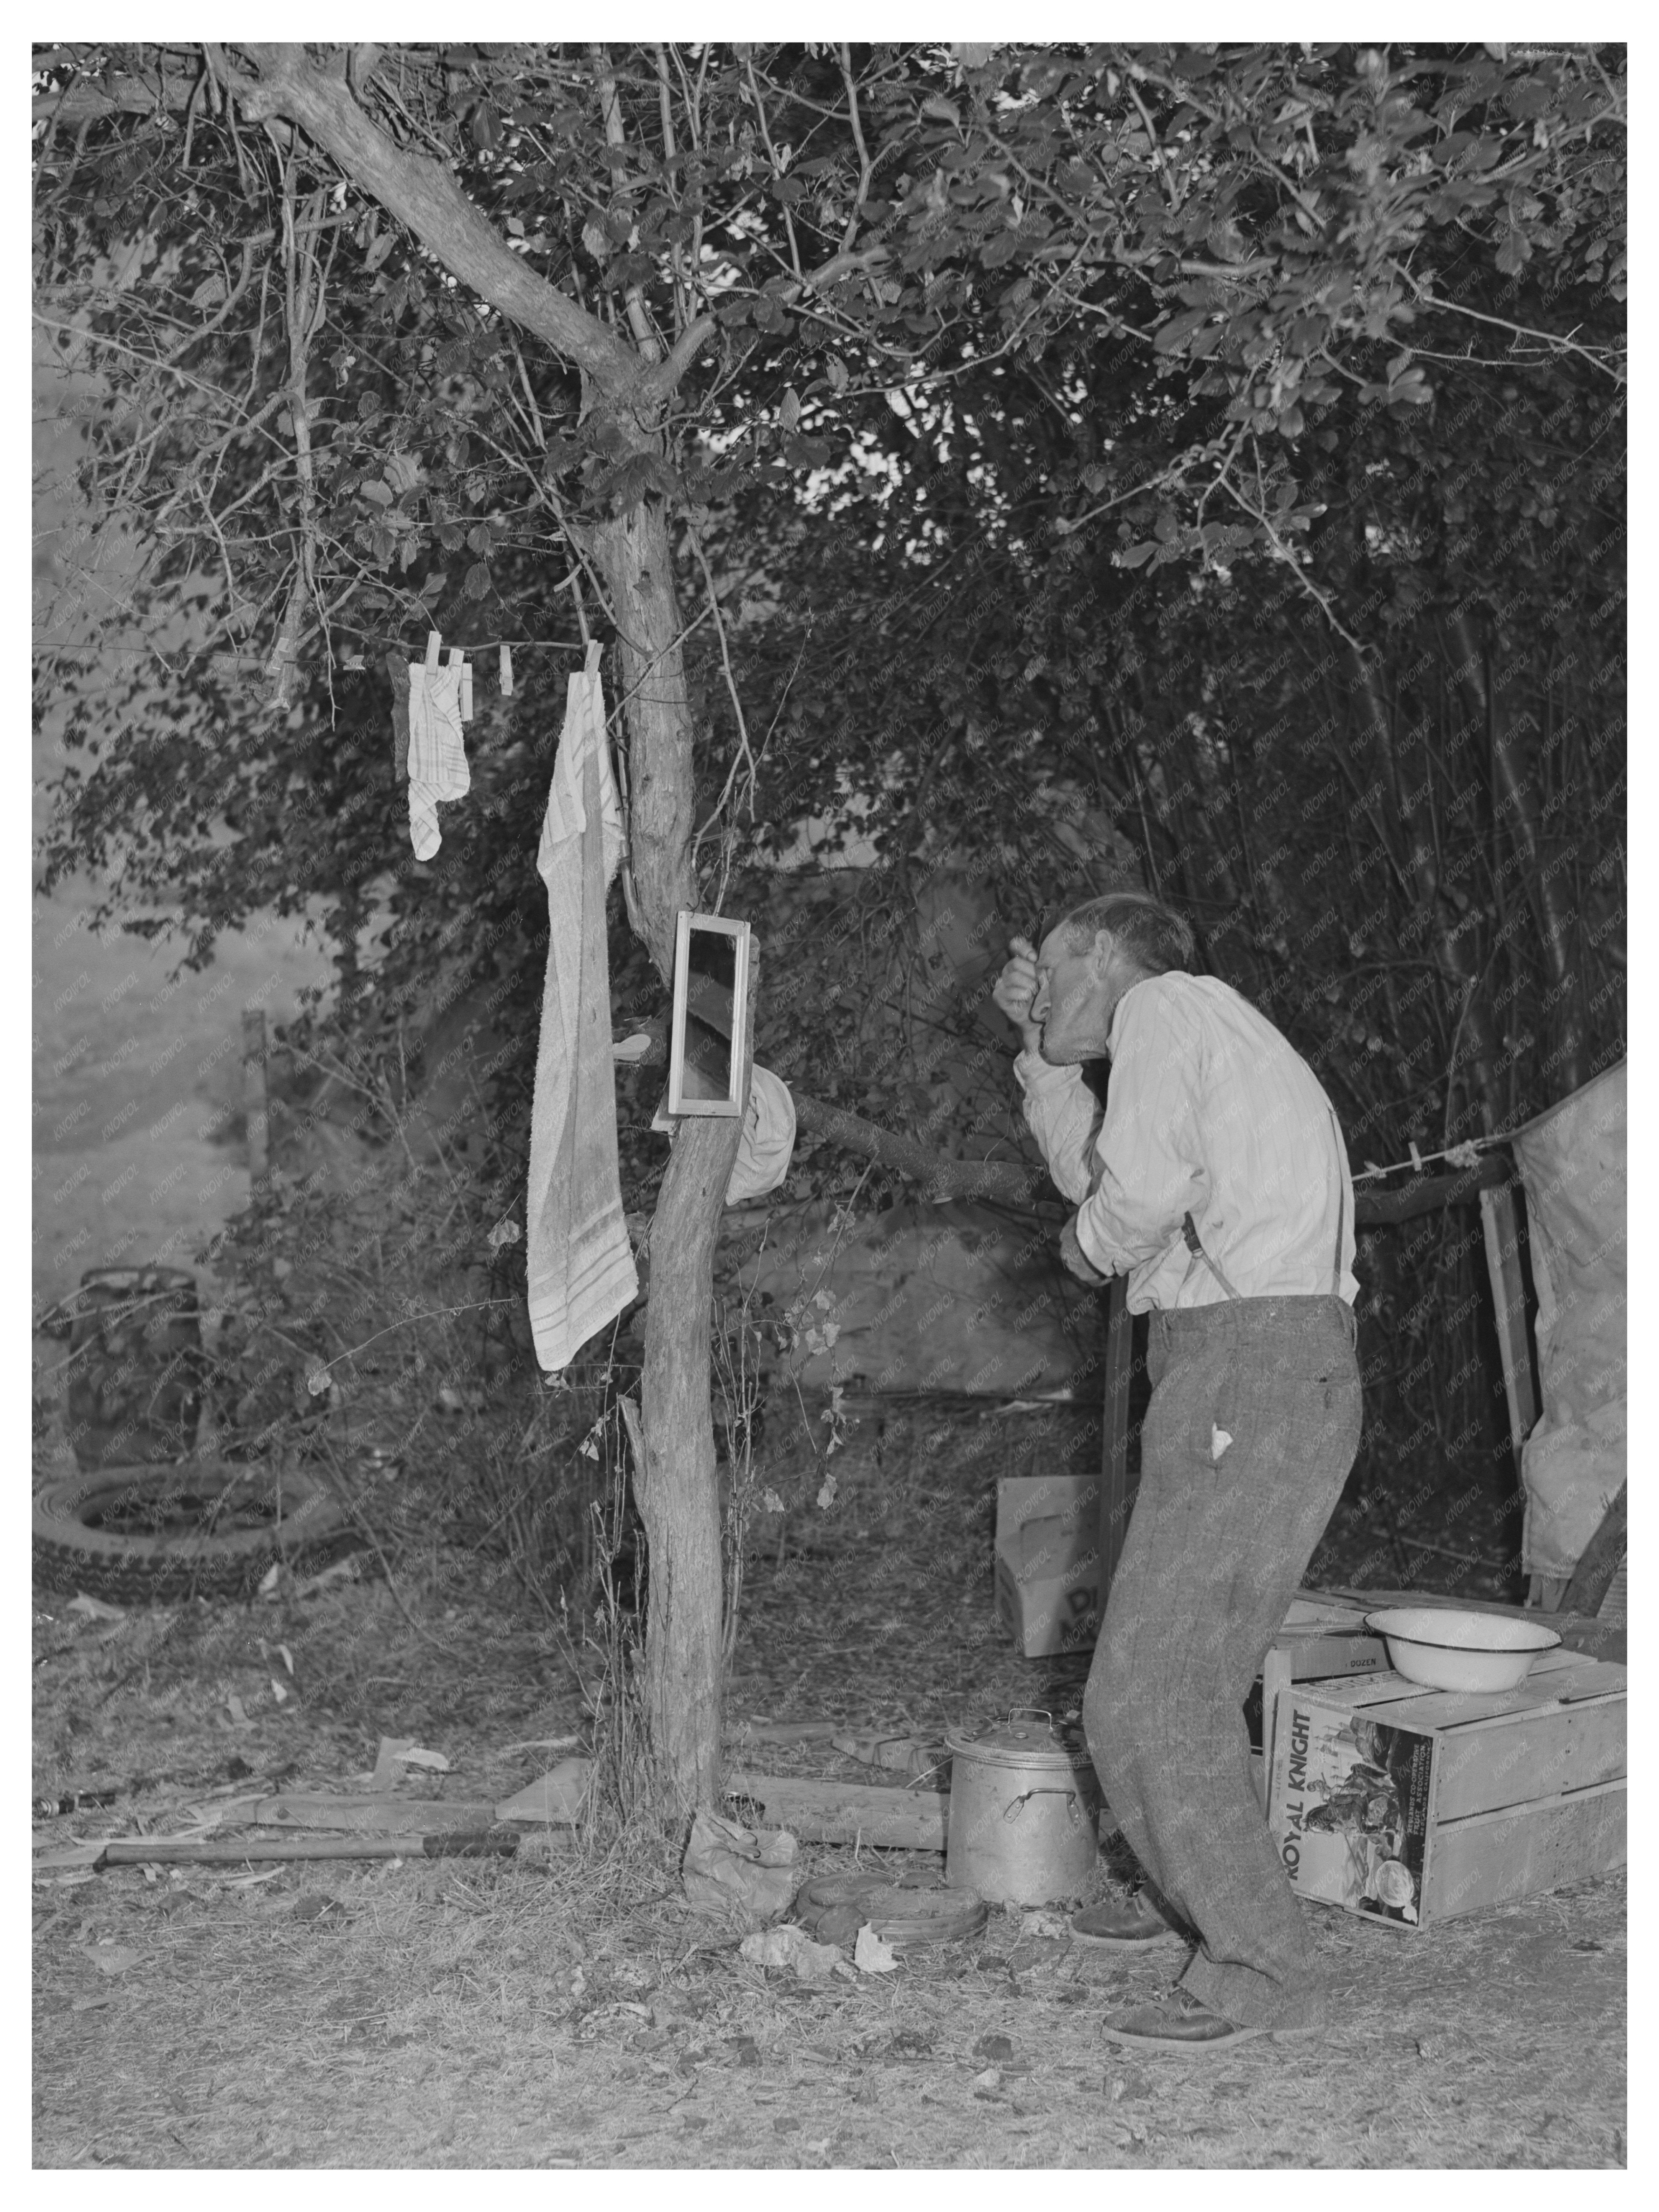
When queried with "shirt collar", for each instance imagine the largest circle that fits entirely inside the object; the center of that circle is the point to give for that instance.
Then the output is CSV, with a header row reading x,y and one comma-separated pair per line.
x,y
1113,1033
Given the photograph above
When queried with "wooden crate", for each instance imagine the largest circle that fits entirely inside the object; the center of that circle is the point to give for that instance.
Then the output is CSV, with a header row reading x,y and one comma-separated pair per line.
x,y
1321,1636
1413,1806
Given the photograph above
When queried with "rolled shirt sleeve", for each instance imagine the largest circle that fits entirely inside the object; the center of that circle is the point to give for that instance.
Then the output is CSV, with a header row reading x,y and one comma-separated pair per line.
x,y
1063,1115
1149,1157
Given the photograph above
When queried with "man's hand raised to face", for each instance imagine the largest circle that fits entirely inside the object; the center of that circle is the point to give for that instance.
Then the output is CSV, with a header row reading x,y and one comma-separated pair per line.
x,y
1016,988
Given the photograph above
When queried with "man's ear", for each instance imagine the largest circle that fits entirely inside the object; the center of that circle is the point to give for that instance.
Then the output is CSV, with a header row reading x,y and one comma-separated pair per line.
x,y
1100,953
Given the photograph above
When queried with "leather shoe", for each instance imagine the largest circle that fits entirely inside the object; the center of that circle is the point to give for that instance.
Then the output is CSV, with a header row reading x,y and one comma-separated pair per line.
x,y
1129,1920
1176,2023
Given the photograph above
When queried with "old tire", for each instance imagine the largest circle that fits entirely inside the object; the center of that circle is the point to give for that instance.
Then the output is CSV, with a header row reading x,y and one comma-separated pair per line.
x,y
915,1908
135,1535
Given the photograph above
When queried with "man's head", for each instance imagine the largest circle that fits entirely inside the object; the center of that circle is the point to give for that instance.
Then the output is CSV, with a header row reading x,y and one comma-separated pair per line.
x,y
1090,959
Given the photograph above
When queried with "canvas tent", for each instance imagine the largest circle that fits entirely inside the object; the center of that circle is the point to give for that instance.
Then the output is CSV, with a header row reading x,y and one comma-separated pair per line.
x,y
1571,1166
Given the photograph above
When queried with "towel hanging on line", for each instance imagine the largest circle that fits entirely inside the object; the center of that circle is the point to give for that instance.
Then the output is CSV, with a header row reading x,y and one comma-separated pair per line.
x,y
580,1262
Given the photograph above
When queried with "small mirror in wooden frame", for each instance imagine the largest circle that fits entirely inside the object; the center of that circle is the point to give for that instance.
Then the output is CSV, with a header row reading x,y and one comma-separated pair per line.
x,y
711,1014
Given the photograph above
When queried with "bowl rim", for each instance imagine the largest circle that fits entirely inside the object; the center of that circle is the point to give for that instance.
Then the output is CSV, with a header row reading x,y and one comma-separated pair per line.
x,y
1549,1638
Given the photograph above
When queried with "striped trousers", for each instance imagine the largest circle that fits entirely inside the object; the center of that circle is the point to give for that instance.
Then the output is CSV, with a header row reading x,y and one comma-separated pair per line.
x,y
1217,1547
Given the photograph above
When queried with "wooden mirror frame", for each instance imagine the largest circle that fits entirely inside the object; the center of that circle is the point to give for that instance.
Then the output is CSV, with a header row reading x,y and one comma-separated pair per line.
x,y
678,1102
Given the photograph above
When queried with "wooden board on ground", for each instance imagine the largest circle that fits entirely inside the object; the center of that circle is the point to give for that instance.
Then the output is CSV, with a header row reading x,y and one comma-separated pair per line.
x,y
375,1814
847,1811
782,1731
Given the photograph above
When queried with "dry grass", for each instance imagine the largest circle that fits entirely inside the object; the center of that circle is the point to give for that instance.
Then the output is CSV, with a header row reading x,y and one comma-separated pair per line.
x,y
574,2013
570,2010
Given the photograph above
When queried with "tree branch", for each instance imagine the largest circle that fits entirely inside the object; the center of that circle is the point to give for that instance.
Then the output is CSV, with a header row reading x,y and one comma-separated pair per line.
x,y
425,198
941,1178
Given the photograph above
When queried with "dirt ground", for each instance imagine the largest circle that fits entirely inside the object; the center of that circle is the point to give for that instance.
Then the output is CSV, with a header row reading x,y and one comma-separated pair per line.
x,y
502,2014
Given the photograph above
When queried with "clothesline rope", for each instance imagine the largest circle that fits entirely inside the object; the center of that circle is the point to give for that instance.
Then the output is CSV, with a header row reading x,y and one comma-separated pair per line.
x,y
1466,1155
303,660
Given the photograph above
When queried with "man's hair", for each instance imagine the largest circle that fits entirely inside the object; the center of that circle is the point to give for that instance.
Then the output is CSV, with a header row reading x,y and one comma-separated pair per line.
x,y
1154,938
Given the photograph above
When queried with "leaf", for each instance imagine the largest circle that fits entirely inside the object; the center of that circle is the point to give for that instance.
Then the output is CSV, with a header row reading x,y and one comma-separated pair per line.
x,y
789,409
316,1380
941,110
476,582
827,1492
871,1954
95,1608
1169,335
412,1755
112,1958
403,471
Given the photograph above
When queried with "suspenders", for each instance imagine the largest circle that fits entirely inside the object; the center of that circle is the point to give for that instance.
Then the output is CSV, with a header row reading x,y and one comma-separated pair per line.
x,y
1341,1208
1198,1252
1190,1233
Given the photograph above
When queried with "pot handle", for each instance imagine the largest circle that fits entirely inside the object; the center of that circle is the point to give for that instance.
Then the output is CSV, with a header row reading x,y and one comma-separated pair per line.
x,y
1044,1709
1073,1803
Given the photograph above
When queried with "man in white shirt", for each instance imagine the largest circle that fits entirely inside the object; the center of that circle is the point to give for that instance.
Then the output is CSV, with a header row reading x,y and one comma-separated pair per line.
x,y
1216,1180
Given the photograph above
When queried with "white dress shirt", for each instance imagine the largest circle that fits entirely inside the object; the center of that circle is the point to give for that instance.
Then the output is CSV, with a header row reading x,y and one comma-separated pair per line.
x,y
1209,1111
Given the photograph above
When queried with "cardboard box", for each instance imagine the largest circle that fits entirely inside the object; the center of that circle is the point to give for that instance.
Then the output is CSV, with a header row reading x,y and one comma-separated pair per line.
x,y
1413,1806
1048,1562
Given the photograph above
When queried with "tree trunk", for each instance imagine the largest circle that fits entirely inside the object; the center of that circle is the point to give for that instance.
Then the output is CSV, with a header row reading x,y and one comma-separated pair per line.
x,y
674,1457
674,1479
632,555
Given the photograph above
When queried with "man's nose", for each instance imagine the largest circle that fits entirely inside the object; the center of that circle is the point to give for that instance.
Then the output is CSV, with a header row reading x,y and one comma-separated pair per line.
x,y
1040,1002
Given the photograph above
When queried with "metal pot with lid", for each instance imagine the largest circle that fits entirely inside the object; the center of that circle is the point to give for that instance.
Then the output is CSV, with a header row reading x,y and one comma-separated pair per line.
x,y
1024,1802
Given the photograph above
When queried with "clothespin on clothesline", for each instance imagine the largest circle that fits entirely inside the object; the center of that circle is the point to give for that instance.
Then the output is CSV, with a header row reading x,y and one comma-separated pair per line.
x,y
457,660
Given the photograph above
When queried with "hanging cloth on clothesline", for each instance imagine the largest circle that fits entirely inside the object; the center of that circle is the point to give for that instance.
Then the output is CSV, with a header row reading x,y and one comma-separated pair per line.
x,y
439,702
578,1259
